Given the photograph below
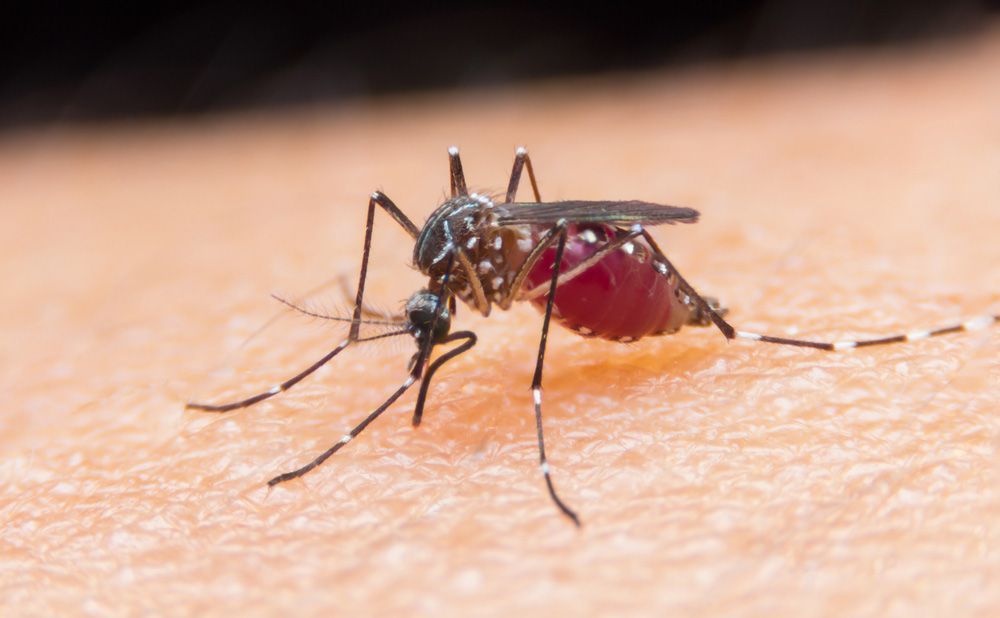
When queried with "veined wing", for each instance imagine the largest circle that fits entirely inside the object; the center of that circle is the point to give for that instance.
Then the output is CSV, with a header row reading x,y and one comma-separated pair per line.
x,y
580,211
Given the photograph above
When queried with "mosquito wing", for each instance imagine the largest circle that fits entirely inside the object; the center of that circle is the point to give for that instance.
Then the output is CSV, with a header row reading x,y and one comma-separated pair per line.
x,y
579,211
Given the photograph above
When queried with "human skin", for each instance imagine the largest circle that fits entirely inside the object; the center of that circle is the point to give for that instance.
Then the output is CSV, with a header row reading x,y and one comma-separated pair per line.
x,y
845,196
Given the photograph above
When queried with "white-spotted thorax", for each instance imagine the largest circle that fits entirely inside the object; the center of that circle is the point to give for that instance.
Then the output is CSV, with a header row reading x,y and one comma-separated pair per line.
x,y
487,255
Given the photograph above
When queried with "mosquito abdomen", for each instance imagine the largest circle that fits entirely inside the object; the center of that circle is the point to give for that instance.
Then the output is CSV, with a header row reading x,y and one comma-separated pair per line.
x,y
624,297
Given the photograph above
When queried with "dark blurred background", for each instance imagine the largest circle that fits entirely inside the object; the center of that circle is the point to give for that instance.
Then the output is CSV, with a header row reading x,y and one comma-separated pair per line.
x,y
84,62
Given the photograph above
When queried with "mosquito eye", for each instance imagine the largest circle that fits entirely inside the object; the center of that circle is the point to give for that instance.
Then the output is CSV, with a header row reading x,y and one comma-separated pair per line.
x,y
420,317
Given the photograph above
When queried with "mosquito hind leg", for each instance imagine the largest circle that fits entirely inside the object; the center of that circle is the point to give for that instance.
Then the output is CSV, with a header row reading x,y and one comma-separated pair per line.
x,y
521,161
700,317
455,173
714,315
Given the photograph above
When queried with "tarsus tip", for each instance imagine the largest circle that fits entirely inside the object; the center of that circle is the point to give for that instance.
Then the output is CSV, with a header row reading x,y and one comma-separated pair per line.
x,y
573,517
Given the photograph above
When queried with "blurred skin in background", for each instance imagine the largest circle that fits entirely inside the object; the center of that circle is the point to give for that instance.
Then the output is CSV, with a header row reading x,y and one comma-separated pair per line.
x,y
162,173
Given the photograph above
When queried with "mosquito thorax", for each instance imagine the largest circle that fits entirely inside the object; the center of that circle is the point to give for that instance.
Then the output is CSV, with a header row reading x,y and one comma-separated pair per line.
x,y
420,310
468,225
455,223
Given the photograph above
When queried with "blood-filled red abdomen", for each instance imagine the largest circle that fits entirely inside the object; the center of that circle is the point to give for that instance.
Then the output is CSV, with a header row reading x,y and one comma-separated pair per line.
x,y
627,295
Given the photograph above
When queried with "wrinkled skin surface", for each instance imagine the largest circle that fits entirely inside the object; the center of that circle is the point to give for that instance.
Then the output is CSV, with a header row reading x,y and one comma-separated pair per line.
x,y
846,196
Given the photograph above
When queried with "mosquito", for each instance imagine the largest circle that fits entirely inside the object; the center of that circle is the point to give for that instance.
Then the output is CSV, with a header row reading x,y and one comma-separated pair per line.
x,y
591,266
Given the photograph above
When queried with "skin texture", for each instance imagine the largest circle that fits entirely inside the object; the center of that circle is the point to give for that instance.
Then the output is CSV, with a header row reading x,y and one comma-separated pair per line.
x,y
846,196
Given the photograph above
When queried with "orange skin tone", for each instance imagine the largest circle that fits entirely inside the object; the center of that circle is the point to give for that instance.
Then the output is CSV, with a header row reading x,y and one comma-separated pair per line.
x,y
846,196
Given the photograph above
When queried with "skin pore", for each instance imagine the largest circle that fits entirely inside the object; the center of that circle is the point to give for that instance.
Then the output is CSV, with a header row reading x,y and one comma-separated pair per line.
x,y
709,475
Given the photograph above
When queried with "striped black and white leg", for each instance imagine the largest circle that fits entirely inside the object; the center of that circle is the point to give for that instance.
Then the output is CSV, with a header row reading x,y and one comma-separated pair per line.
x,y
287,476
521,161
376,199
271,392
835,346
731,332
426,345
536,382
456,174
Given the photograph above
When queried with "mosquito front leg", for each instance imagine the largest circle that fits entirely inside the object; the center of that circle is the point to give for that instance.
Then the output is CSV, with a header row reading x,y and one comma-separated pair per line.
x,y
353,336
415,373
475,283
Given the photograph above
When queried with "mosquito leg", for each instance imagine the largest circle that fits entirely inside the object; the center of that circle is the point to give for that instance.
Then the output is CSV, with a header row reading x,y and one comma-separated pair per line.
x,y
536,382
475,283
546,241
415,373
284,386
287,476
398,215
289,383
470,340
376,198
457,176
730,332
978,323
521,160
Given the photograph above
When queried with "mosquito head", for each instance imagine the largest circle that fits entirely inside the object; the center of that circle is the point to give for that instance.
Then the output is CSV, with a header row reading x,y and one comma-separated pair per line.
x,y
420,314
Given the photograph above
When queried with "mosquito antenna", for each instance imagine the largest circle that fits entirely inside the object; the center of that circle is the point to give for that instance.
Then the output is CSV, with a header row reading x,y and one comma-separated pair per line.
x,y
278,315
324,316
